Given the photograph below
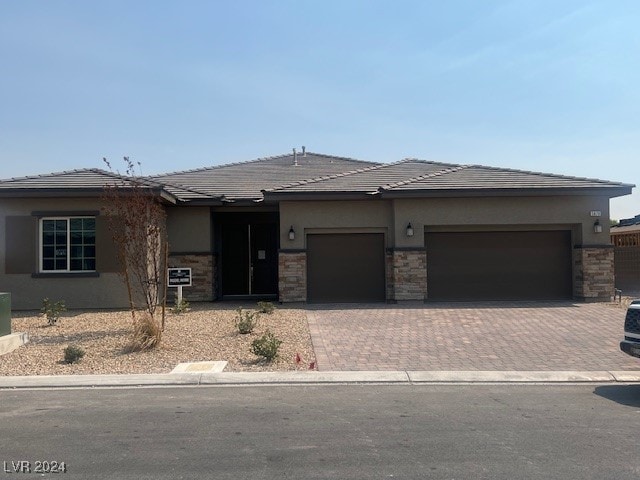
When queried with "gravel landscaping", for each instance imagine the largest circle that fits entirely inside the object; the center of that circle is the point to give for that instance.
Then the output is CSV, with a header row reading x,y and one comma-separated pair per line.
x,y
206,332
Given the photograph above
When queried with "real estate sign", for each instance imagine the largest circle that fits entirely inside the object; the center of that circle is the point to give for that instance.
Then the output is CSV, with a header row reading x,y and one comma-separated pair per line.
x,y
179,277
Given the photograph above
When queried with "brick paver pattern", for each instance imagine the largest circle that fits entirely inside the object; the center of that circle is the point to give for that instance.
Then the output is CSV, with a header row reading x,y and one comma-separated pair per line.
x,y
555,336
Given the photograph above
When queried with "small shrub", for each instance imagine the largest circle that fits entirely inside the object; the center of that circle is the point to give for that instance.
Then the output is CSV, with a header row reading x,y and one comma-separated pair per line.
x,y
52,310
246,321
180,307
147,333
266,307
73,354
266,346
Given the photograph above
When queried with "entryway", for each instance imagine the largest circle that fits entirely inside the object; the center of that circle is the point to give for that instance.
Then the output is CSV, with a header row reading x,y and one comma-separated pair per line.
x,y
248,255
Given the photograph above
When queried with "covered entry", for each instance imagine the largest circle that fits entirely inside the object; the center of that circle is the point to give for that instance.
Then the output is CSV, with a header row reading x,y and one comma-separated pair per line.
x,y
516,265
345,268
248,254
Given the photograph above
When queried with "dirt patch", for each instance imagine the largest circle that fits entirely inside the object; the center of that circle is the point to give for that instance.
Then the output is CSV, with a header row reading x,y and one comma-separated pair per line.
x,y
206,332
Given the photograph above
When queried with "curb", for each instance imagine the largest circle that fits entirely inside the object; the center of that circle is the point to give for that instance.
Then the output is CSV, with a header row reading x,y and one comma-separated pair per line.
x,y
319,378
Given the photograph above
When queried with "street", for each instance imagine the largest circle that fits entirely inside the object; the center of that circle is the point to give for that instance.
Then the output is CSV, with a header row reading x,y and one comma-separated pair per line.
x,y
339,432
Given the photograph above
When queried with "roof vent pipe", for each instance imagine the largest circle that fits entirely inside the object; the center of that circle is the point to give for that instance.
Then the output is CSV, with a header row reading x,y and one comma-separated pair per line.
x,y
304,151
295,158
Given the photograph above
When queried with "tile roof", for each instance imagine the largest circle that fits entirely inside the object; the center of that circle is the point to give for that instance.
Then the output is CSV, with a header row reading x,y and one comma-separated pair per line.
x,y
246,180
86,178
367,180
422,176
481,177
315,174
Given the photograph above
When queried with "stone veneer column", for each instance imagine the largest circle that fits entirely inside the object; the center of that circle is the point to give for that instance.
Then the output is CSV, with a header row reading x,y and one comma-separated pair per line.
x,y
388,261
593,273
292,276
202,274
409,274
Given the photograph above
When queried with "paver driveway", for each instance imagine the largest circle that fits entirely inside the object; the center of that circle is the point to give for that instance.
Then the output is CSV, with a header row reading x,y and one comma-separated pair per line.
x,y
464,336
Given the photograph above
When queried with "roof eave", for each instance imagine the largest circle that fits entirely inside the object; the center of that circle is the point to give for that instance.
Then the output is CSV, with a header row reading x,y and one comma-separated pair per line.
x,y
610,192
73,193
292,196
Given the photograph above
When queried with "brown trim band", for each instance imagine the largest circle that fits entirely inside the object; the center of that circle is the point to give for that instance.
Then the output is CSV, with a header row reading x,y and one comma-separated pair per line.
x,y
406,249
66,275
65,213
292,250
607,245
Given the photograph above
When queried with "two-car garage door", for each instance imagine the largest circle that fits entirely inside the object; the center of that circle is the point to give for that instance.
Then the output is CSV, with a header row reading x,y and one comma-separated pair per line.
x,y
516,265
490,265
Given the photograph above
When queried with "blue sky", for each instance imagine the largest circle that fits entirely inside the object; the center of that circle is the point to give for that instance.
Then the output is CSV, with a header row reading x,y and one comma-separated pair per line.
x,y
536,85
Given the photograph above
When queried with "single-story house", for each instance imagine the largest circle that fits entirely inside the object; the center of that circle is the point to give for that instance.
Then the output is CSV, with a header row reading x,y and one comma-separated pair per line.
x,y
625,238
626,233
308,227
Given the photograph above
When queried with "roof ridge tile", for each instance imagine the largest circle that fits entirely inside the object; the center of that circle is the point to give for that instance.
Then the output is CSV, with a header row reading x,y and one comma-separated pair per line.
x,y
308,181
424,177
256,160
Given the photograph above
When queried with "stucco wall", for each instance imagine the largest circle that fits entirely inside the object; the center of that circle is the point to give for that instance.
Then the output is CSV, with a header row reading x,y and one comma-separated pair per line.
x,y
310,216
476,213
481,212
189,229
104,291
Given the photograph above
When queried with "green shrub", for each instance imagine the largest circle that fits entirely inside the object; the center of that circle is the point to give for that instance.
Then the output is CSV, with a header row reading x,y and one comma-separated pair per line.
x,y
246,321
266,346
266,307
180,307
52,310
73,354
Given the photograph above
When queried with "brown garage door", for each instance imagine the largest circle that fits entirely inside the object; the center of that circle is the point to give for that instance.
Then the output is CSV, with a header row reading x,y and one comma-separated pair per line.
x,y
345,268
499,265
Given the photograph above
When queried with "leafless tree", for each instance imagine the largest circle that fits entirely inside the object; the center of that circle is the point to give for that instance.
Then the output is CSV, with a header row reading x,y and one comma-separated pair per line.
x,y
137,220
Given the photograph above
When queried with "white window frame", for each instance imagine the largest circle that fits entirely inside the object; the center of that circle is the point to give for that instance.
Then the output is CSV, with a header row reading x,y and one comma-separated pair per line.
x,y
40,244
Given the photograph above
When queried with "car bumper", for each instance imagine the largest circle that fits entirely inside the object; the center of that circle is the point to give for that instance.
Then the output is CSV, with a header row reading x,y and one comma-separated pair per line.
x,y
630,348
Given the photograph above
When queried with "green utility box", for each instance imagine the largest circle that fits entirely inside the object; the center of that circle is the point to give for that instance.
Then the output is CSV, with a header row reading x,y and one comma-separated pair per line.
x,y
5,314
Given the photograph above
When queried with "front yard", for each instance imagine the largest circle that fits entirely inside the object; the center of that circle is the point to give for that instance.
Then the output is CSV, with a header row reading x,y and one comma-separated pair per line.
x,y
206,332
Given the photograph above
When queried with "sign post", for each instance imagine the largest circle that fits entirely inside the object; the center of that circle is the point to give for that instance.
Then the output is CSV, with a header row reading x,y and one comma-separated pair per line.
x,y
178,278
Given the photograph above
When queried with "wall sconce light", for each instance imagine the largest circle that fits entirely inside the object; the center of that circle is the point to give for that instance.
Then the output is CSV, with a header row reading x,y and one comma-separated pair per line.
x,y
409,230
597,228
292,233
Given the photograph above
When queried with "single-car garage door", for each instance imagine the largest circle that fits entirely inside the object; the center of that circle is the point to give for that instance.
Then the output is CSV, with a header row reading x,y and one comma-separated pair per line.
x,y
532,265
345,268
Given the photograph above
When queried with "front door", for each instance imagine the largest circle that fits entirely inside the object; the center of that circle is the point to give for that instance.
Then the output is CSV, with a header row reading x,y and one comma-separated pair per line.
x,y
249,258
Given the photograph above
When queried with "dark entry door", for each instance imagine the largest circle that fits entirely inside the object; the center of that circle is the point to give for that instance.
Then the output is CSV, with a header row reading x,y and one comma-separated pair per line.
x,y
249,259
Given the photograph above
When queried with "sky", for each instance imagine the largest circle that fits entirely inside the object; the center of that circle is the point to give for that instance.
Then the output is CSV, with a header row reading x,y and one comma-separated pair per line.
x,y
538,85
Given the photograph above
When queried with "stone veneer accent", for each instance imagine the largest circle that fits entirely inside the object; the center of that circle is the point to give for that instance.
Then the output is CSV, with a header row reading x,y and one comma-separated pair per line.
x,y
409,274
292,276
202,274
388,260
593,273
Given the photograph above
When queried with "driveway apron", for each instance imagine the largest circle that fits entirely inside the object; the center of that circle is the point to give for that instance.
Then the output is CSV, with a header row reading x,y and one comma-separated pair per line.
x,y
555,336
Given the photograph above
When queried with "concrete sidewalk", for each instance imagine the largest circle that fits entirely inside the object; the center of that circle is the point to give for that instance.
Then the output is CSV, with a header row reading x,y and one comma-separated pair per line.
x,y
317,378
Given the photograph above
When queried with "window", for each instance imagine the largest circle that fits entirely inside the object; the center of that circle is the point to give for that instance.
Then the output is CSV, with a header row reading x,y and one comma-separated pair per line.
x,y
68,244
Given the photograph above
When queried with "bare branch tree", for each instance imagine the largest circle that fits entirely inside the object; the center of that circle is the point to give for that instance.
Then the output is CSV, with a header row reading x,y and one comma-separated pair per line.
x,y
137,221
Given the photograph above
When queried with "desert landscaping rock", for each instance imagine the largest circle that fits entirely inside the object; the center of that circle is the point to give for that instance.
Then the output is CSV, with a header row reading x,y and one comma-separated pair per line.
x,y
206,333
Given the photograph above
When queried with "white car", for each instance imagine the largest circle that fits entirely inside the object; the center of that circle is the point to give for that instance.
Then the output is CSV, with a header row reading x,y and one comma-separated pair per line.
x,y
631,343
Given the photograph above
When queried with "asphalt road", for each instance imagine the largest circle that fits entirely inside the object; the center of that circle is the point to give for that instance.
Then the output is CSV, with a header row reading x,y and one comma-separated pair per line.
x,y
339,432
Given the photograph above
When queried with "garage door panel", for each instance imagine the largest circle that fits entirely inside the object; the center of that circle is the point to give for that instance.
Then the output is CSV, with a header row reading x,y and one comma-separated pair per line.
x,y
345,268
499,265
